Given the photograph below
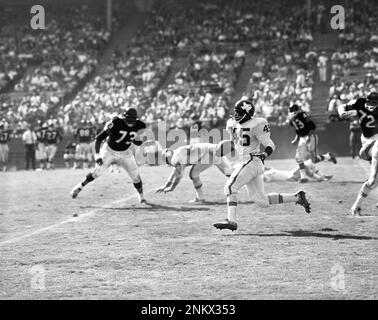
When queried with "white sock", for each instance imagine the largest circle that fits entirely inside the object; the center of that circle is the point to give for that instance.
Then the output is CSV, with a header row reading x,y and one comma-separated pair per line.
x,y
231,214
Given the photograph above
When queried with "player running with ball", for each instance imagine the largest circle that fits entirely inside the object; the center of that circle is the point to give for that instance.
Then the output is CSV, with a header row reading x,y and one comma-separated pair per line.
x,y
249,133
119,134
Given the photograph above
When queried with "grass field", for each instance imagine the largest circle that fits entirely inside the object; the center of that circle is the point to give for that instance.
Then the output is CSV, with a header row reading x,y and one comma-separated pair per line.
x,y
106,245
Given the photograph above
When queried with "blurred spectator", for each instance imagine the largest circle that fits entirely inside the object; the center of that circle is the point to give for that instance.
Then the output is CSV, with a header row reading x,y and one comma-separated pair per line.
x,y
333,105
322,67
29,139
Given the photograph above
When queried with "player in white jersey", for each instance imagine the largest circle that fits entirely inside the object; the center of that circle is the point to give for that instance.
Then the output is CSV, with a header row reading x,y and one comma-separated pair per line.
x,y
200,156
248,134
272,174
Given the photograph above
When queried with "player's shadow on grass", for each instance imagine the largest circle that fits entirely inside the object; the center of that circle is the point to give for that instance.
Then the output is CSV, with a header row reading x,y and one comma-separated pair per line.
x,y
345,182
222,203
306,234
151,207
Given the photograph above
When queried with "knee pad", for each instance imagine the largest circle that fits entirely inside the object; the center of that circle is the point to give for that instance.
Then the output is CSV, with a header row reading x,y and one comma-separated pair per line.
x,y
232,199
371,183
197,182
136,178
364,151
228,190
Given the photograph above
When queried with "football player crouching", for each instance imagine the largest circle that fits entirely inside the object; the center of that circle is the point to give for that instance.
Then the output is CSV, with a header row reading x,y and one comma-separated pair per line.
x,y
200,157
120,133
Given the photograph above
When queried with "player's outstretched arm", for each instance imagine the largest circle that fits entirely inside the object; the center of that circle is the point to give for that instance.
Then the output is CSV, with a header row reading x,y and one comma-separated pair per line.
x,y
99,139
173,180
295,140
346,111
266,141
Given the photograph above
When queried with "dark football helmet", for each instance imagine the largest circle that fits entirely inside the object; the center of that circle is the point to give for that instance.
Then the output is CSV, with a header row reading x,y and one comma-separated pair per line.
x,y
372,101
131,116
294,108
243,110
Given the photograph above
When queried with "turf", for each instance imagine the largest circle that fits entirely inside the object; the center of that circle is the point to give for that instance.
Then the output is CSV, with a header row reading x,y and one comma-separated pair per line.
x,y
105,245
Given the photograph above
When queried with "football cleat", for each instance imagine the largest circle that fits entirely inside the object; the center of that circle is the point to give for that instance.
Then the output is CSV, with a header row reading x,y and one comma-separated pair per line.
x,y
196,200
302,201
332,158
303,180
355,211
75,192
142,199
227,224
329,177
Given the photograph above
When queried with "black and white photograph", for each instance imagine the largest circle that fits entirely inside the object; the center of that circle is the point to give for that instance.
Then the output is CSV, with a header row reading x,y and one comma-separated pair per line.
x,y
197,150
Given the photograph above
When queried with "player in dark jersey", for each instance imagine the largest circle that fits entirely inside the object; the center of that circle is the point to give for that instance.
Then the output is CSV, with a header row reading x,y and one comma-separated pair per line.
x,y
52,138
366,110
40,132
69,154
120,134
5,135
84,135
307,139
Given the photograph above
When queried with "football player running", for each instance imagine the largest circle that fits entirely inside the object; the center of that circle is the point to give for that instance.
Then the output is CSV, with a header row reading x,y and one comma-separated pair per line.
x,y
367,112
200,156
307,139
120,133
248,134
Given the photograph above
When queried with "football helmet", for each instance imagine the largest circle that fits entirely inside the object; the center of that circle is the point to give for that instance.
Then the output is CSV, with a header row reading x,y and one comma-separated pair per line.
x,y
294,108
167,155
243,110
130,116
372,101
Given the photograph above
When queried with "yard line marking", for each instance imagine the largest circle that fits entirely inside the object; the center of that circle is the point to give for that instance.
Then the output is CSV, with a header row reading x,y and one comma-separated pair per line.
x,y
74,219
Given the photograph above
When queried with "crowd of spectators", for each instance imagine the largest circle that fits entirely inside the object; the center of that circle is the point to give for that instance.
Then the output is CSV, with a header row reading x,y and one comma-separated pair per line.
x,y
128,82
355,62
212,39
201,91
285,64
133,79
54,60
